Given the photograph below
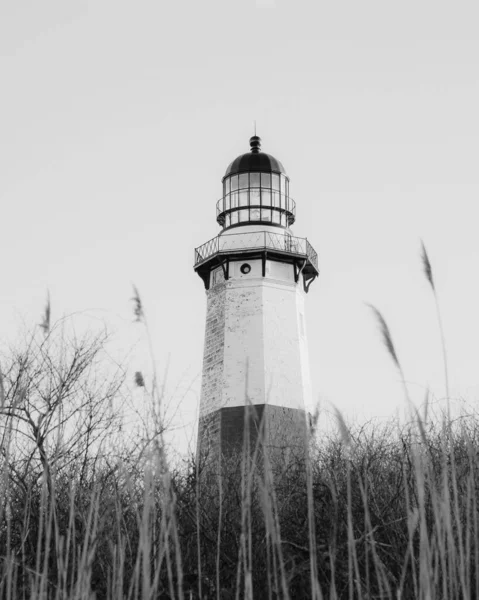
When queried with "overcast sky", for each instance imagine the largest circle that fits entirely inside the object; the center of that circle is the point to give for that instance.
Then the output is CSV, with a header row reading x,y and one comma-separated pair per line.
x,y
118,120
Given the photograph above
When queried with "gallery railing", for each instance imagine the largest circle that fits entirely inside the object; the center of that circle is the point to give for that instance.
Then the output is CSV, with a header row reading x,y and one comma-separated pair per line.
x,y
275,200
257,240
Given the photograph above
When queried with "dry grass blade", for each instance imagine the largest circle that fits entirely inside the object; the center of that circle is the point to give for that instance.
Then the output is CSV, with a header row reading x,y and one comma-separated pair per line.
x,y
137,304
388,342
428,272
45,324
2,390
427,265
343,428
386,335
139,379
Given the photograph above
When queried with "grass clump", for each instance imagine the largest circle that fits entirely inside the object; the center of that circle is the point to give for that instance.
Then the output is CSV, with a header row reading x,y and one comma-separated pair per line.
x,y
378,511
388,512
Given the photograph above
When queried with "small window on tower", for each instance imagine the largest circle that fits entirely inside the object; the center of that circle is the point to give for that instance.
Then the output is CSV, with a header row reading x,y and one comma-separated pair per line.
x,y
243,181
275,181
254,197
254,180
245,268
265,180
266,214
243,198
254,214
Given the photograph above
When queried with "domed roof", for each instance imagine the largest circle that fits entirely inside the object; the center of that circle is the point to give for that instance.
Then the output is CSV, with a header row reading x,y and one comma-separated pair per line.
x,y
255,161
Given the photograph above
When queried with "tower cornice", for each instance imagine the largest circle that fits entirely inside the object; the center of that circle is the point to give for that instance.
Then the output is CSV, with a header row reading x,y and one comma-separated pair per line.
x,y
265,244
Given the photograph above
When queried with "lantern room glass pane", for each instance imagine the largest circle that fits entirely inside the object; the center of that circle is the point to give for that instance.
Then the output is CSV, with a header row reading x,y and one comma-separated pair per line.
x,y
234,199
227,220
254,214
227,185
265,180
265,197
243,215
227,203
275,216
266,214
283,220
243,198
283,184
254,197
234,217
254,179
275,181
234,182
275,199
243,181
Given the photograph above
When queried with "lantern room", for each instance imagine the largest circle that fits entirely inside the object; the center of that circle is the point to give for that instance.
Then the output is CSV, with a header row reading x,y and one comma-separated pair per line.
x,y
255,190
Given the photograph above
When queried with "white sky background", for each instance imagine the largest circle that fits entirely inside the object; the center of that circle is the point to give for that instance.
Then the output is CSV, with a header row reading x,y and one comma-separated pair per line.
x,y
119,119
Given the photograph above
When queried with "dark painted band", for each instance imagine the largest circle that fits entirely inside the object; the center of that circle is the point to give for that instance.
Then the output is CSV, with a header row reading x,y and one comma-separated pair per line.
x,y
227,430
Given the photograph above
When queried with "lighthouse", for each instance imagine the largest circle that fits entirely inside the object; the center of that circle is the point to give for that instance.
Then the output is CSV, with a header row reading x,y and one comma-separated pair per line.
x,y
256,274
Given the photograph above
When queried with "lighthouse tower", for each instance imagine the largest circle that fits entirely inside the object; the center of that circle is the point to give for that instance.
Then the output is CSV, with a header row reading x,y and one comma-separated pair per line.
x,y
256,274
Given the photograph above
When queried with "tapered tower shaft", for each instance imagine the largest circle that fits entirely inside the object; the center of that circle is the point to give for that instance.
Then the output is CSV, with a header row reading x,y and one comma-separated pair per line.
x,y
256,275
